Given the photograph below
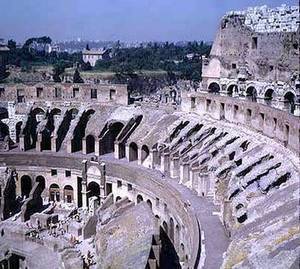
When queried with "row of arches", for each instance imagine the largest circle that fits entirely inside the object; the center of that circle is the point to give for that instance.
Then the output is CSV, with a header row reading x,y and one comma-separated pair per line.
x,y
27,184
251,94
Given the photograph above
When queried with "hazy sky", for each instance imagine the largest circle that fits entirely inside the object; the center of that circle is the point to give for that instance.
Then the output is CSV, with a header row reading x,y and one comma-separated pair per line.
x,y
126,20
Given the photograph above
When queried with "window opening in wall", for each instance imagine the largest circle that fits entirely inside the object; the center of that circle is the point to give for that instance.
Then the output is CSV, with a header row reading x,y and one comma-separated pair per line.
x,y
254,42
157,201
208,102
2,91
68,173
112,94
108,188
262,116
233,66
75,92
53,172
119,183
94,93
20,96
249,113
271,68
193,102
129,187
39,92
57,92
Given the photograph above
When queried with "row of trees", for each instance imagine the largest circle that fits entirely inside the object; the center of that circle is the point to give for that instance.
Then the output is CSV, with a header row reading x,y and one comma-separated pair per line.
x,y
167,56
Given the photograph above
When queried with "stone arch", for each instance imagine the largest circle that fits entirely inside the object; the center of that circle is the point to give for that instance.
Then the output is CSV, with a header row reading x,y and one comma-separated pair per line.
x,y
4,131
139,199
149,203
133,152
26,186
165,227
251,93
3,113
172,230
42,182
231,89
79,131
109,136
18,131
38,111
65,126
68,194
214,87
177,235
145,152
54,192
269,96
90,144
289,101
93,189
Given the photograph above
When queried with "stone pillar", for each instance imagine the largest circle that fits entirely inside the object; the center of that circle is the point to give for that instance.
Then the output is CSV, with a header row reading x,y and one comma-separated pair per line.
x,y
84,194
127,149
83,146
174,163
97,148
69,146
117,151
164,164
152,156
38,143
22,143
297,110
53,144
184,173
139,152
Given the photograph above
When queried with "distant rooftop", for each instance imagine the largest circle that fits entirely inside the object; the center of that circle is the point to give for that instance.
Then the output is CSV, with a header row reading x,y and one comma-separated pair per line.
x,y
264,19
94,52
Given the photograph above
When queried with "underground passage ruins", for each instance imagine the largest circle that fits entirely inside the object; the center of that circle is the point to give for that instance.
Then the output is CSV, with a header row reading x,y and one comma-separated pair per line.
x,y
201,178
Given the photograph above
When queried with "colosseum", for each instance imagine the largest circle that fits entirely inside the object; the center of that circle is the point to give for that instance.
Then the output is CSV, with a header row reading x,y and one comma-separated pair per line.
x,y
205,178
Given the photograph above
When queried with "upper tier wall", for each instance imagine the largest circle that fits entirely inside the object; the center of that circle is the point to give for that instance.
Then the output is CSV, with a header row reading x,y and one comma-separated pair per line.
x,y
276,124
25,93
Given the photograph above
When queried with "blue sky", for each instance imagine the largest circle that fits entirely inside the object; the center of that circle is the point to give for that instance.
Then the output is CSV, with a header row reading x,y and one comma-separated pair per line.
x,y
126,20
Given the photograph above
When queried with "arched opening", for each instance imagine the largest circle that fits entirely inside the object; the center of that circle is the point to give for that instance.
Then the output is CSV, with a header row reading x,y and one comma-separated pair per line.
x,y
269,95
65,126
26,186
90,144
231,89
145,153
79,131
251,94
30,130
18,131
171,234
133,151
93,189
289,102
3,113
42,183
214,88
68,194
149,203
139,199
109,136
54,193
165,227
177,228
4,131
118,198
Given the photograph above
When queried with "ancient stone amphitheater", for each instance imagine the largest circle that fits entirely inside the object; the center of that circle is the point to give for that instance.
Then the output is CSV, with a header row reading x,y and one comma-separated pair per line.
x,y
207,180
